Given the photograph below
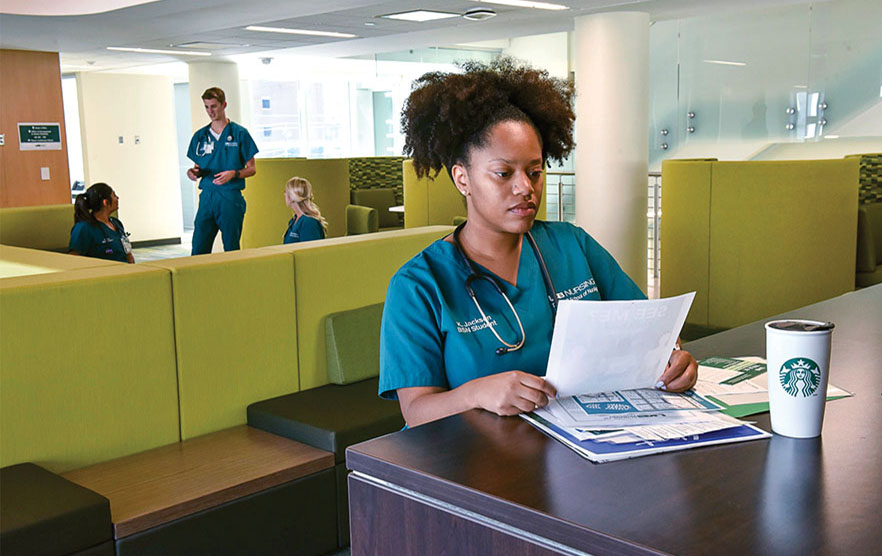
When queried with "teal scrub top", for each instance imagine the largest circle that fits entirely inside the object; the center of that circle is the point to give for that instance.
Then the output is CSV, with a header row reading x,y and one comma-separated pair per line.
x,y
304,228
98,241
231,151
433,335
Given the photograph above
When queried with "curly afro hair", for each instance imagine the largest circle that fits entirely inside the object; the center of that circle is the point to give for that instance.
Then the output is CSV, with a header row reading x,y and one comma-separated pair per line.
x,y
449,113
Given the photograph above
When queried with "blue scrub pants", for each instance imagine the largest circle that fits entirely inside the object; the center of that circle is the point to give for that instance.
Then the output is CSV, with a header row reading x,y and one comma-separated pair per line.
x,y
218,211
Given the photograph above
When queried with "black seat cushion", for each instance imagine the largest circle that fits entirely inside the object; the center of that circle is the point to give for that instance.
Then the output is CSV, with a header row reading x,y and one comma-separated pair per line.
x,y
330,417
43,513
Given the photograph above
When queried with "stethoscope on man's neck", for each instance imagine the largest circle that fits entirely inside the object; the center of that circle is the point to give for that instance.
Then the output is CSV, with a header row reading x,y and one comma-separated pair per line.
x,y
477,274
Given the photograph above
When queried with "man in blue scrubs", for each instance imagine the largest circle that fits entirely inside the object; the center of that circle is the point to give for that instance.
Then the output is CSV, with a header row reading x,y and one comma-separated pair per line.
x,y
223,153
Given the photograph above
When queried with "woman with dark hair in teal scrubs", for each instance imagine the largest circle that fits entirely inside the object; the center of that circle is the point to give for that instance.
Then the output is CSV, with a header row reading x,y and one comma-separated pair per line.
x,y
468,322
95,233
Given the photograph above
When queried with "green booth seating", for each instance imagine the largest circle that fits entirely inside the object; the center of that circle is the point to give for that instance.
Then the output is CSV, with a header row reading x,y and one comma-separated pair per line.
x,y
361,220
44,227
869,247
341,274
88,365
338,415
380,199
43,513
786,229
235,331
267,216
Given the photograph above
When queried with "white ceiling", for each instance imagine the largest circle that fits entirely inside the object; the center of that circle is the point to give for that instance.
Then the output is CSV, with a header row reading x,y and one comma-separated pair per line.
x,y
220,25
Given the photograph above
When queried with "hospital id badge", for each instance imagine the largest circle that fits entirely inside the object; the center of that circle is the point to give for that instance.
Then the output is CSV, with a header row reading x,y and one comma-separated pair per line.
x,y
127,245
209,147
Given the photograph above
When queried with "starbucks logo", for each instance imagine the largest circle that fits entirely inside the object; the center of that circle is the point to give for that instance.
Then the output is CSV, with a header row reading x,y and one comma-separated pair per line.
x,y
800,377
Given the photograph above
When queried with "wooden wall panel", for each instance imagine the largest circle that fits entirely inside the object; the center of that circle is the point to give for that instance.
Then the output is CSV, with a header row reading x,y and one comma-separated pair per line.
x,y
30,91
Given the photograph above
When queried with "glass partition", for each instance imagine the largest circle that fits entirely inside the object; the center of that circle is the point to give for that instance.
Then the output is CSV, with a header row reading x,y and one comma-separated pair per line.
x,y
729,86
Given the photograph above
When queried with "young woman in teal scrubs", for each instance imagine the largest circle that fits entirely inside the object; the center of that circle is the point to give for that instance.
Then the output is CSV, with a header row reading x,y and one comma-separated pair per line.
x,y
95,233
443,350
307,223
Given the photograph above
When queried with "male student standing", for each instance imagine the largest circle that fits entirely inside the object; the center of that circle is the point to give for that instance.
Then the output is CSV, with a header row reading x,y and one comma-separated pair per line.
x,y
223,153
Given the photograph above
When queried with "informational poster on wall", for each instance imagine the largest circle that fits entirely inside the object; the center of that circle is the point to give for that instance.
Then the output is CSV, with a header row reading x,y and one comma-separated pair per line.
x,y
39,136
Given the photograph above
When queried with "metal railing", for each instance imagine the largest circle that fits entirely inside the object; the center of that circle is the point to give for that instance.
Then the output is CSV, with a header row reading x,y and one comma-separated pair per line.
x,y
560,205
653,216
560,196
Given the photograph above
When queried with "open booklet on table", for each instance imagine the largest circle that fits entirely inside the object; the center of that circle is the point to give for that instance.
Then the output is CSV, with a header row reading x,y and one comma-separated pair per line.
x,y
605,359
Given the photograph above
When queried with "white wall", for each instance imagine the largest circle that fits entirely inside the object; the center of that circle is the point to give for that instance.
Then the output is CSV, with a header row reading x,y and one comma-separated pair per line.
x,y
549,52
825,148
144,175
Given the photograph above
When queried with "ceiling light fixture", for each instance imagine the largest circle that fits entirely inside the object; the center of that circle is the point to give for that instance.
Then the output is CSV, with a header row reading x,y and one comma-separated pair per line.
x,y
420,15
478,14
158,51
525,4
725,62
308,32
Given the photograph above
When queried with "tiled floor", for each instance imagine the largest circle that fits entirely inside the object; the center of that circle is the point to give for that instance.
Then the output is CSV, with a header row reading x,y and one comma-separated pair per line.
x,y
145,254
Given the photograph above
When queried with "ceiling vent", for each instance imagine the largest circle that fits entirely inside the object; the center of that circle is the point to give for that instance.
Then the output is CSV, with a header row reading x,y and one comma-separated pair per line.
x,y
479,14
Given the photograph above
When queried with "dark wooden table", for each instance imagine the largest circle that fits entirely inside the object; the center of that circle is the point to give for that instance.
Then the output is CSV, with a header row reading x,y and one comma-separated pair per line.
x,y
477,484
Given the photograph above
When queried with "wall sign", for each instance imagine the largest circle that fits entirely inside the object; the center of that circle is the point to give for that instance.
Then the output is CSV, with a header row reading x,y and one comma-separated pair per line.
x,y
39,136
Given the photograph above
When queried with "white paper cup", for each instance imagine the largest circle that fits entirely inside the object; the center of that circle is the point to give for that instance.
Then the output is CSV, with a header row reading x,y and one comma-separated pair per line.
x,y
798,358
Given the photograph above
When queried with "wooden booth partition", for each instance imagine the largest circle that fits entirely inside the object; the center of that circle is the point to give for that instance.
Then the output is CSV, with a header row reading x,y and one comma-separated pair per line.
x,y
30,93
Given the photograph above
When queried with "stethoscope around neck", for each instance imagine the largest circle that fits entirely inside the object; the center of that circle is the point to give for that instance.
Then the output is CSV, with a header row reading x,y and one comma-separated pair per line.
x,y
477,274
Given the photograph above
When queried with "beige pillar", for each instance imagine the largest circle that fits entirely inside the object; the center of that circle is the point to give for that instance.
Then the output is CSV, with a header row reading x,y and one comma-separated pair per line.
x,y
214,74
612,137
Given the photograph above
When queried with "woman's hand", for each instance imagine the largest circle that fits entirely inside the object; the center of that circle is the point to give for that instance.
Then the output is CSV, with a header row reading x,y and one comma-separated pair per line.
x,y
510,393
507,393
680,374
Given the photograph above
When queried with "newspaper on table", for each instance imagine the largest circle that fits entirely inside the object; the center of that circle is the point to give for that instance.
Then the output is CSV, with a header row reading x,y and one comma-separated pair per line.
x,y
741,384
606,358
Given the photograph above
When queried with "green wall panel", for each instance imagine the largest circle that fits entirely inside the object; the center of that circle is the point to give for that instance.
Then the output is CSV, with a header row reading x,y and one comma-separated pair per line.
x,y
87,366
342,274
236,334
685,233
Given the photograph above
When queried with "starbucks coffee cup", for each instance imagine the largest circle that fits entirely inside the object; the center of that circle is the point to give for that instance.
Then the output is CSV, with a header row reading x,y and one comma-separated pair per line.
x,y
798,359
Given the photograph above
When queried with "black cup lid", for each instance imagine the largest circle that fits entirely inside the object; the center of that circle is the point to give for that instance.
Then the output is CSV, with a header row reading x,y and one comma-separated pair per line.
x,y
801,325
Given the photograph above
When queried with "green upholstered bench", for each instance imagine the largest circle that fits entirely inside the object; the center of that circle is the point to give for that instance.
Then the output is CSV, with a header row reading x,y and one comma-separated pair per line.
x,y
380,199
338,415
869,247
361,220
235,491
44,227
43,513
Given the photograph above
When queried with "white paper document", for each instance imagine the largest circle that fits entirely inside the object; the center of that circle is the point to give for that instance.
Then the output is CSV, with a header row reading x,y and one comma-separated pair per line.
x,y
602,346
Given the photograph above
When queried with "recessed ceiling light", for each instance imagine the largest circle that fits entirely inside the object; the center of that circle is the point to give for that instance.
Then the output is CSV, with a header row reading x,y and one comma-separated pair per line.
x,y
420,15
158,51
309,32
525,4
369,23
725,62
478,14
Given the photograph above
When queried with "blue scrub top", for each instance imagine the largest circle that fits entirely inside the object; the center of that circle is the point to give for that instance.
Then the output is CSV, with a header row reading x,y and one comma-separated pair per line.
x,y
98,241
433,335
304,228
231,151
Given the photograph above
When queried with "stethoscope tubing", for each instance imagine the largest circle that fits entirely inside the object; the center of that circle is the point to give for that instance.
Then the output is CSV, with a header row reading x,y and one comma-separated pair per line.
x,y
476,274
